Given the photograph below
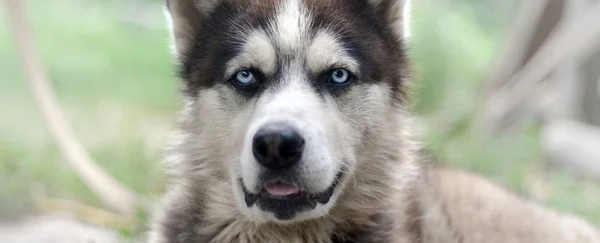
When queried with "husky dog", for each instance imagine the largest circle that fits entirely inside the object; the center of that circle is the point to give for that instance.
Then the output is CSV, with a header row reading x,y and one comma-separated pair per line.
x,y
295,130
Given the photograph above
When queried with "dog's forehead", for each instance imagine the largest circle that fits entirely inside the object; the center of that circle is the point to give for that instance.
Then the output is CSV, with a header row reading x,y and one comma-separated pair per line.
x,y
298,30
309,37
291,25
291,22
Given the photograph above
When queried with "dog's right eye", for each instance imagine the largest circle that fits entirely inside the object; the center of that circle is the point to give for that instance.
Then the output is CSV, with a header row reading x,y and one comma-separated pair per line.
x,y
245,80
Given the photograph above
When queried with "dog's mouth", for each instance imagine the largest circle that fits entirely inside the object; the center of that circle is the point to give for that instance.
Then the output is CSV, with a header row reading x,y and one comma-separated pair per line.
x,y
285,200
280,190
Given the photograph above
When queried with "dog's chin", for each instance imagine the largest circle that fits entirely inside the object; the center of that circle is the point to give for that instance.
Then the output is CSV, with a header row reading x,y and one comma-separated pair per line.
x,y
287,206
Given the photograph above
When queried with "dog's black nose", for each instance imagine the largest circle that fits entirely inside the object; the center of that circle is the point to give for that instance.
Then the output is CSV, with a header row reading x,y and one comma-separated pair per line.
x,y
277,146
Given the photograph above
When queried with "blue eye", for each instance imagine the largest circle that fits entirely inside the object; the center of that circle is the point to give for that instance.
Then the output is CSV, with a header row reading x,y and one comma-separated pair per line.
x,y
340,76
244,78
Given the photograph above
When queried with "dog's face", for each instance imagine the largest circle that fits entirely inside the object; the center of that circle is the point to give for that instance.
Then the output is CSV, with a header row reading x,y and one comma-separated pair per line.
x,y
283,94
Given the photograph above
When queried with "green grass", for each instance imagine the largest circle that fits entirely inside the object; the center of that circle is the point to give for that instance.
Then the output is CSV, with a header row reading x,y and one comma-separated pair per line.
x,y
116,82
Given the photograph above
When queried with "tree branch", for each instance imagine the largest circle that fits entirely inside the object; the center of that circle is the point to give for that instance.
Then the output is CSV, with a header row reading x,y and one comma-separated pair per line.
x,y
113,194
573,39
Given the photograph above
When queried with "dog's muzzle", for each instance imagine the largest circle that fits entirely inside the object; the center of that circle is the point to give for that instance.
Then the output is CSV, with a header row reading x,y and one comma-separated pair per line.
x,y
278,149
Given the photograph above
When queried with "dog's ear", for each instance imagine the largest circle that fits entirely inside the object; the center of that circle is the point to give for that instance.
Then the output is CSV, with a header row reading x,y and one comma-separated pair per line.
x,y
395,13
185,19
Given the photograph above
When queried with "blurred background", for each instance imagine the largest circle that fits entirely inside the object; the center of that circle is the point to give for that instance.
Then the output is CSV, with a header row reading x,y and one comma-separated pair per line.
x,y
507,89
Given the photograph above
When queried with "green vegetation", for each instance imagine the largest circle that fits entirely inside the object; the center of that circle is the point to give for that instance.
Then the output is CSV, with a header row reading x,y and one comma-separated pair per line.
x,y
115,78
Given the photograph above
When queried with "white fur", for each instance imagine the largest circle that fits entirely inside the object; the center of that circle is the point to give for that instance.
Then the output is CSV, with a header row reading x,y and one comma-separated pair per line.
x,y
297,105
258,52
325,52
406,19
291,25
172,43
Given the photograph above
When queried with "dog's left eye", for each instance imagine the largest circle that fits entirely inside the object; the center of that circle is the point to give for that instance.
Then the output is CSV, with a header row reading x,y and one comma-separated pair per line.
x,y
244,78
340,76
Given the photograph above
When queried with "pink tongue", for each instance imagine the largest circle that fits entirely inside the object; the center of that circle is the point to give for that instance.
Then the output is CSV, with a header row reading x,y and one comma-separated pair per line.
x,y
281,189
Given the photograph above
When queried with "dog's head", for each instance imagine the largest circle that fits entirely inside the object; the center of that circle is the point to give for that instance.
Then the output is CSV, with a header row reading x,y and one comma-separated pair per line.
x,y
287,97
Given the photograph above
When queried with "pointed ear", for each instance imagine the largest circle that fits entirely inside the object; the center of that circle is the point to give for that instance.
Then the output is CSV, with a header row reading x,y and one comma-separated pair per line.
x,y
185,19
396,13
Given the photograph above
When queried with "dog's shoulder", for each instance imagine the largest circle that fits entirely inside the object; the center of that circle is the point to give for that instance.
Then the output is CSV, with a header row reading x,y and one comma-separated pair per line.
x,y
468,208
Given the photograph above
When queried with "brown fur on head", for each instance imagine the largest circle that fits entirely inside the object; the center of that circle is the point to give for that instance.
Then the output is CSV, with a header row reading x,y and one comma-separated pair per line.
x,y
356,144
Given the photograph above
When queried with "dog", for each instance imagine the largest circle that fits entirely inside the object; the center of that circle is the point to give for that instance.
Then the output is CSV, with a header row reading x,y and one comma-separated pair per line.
x,y
295,129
